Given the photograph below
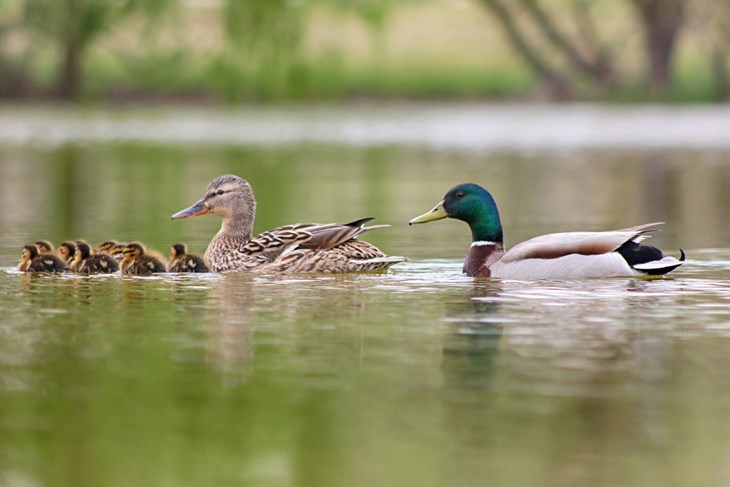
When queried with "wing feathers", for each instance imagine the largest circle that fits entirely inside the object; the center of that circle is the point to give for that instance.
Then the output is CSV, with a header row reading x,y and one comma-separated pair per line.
x,y
556,245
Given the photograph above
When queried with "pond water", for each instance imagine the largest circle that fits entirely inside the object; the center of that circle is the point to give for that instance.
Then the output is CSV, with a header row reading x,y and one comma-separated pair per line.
x,y
420,376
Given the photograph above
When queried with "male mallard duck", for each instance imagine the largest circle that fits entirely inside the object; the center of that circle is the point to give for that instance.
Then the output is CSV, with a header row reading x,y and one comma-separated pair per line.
x,y
181,261
66,251
44,247
87,263
136,262
302,247
571,255
33,261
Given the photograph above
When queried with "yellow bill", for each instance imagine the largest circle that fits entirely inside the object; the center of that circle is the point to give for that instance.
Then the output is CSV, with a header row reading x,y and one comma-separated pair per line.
x,y
437,213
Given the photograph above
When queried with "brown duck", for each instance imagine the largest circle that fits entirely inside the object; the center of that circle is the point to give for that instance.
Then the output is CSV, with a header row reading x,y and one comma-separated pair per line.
x,y
301,247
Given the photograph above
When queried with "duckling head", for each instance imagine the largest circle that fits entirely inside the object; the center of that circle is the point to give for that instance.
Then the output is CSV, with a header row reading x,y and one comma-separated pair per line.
x,y
44,246
132,251
28,253
117,251
105,247
83,249
231,198
66,251
178,250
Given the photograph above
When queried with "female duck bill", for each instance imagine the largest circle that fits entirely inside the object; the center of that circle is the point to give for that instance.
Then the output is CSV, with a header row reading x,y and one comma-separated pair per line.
x,y
198,208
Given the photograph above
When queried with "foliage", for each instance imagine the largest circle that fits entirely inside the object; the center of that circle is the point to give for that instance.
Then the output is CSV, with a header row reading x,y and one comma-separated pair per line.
x,y
570,48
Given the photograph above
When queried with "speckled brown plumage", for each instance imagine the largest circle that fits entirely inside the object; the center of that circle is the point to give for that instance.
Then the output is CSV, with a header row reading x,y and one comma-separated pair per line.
x,y
302,247
182,261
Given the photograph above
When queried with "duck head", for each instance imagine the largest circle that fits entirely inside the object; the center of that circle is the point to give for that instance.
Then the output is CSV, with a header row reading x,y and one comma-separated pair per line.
x,y
231,198
471,204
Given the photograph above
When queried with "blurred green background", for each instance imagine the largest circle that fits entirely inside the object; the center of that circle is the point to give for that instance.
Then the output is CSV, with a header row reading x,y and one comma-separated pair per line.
x,y
208,51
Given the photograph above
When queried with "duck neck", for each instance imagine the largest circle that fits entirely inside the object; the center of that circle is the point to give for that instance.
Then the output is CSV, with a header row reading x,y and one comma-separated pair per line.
x,y
235,232
487,244
237,227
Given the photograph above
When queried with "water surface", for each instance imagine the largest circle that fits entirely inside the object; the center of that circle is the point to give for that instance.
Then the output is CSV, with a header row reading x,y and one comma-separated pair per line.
x,y
420,376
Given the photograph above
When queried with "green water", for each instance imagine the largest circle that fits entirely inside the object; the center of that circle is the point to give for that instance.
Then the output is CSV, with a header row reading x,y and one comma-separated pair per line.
x,y
417,377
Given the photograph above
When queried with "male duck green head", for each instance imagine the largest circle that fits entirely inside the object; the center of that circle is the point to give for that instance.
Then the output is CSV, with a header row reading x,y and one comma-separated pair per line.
x,y
472,204
571,255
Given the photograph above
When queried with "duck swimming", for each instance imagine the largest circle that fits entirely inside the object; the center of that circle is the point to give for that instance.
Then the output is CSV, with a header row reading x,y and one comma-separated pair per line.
x,y
136,262
181,261
301,247
33,261
572,255
87,263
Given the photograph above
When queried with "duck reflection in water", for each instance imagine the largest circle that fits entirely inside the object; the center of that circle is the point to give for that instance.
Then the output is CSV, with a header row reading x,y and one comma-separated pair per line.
x,y
470,350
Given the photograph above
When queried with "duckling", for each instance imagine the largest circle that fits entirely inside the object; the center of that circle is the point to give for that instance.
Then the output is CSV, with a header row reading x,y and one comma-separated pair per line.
x,y
116,251
33,261
44,247
88,263
82,252
136,262
105,247
66,252
181,261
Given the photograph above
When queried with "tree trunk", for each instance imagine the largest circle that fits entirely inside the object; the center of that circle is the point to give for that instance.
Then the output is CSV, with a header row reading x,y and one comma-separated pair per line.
x,y
662,21
68,84
558,87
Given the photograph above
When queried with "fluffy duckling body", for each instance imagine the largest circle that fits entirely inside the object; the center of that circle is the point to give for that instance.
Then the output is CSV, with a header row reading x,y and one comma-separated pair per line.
x,y
136,262
181,261
33,261
302,247
88,263
572,255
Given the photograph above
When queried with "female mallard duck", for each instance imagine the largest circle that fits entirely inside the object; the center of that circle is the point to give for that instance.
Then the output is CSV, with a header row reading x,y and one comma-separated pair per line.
x,y
66,252
33,261
87,263
302,247
136,262
571,255
181,261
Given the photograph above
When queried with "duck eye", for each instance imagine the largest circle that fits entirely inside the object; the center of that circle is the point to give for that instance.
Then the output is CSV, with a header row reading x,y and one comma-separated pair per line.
x,y
459,194
219,192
